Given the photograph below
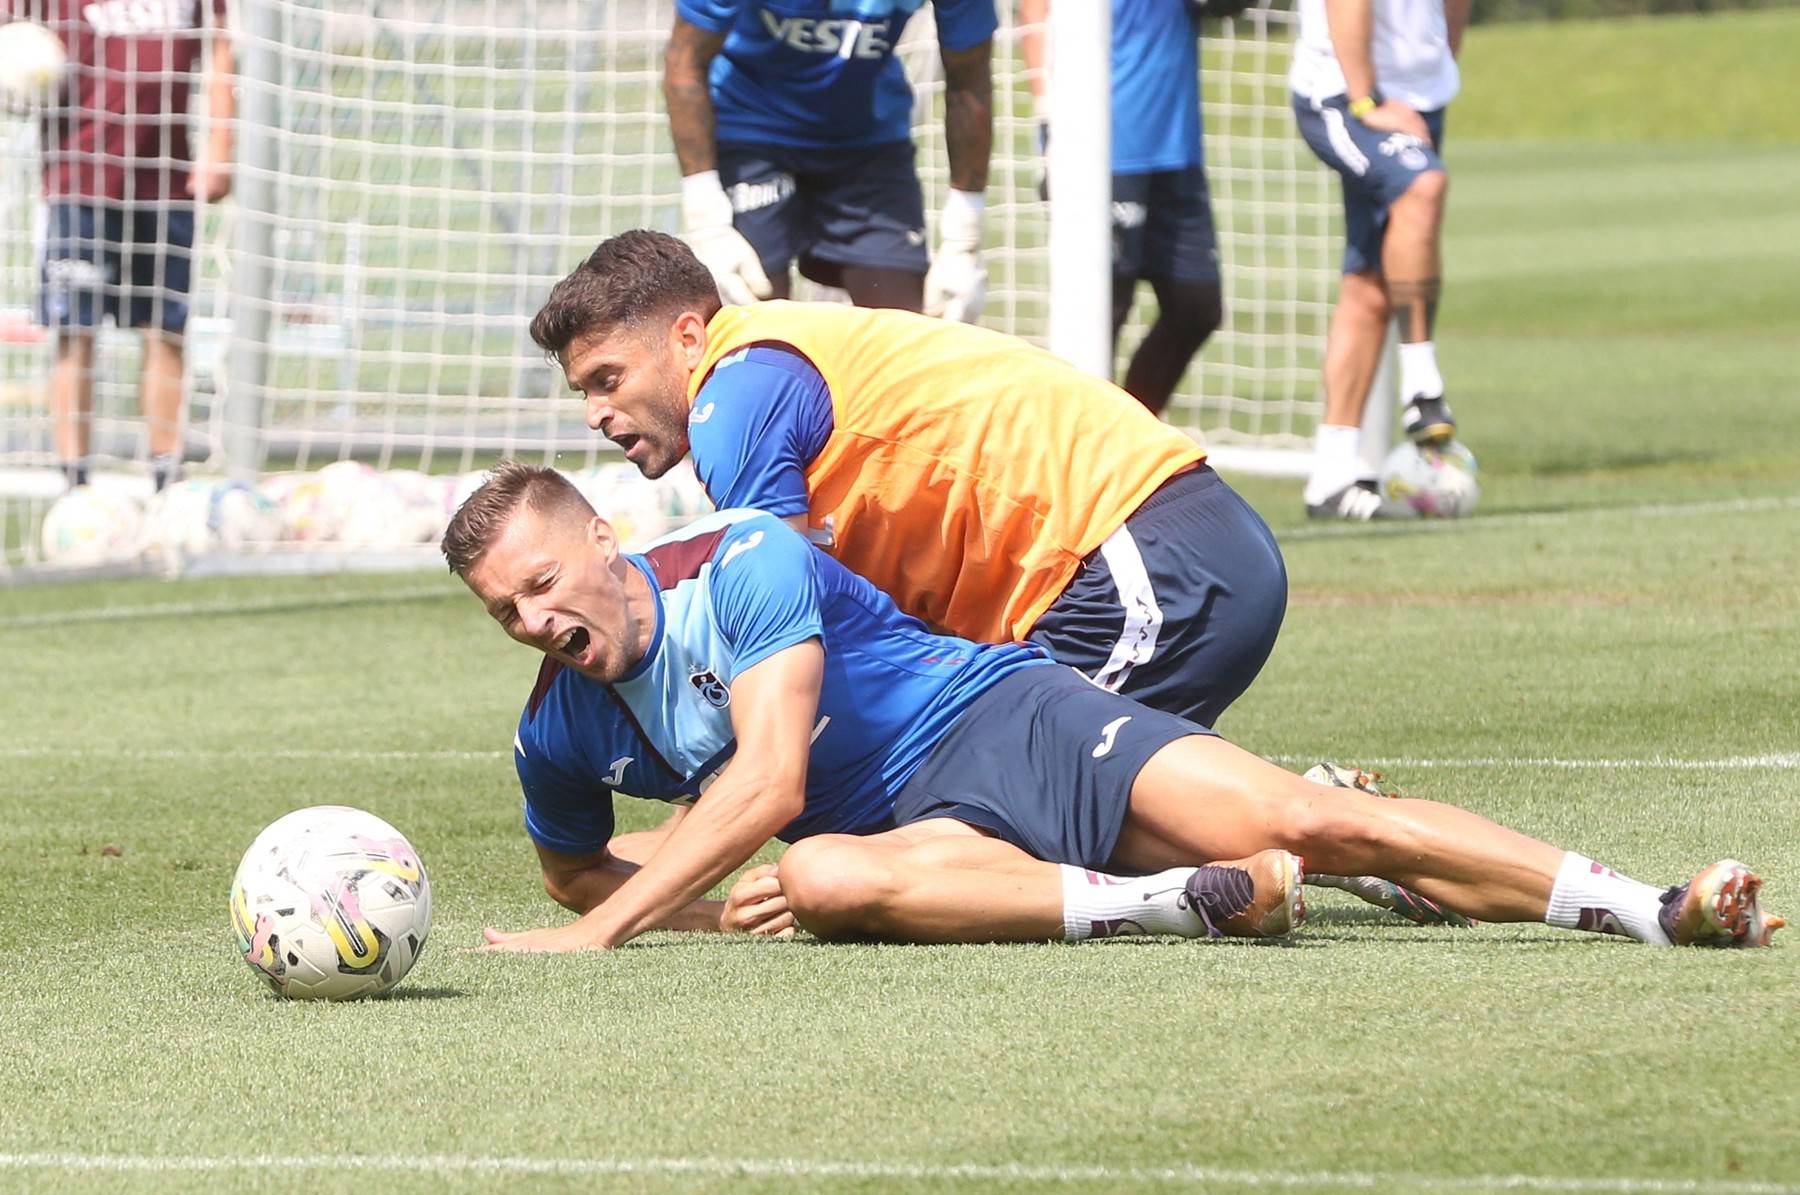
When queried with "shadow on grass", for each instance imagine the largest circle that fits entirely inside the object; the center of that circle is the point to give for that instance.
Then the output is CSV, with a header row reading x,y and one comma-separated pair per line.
x,y
419,993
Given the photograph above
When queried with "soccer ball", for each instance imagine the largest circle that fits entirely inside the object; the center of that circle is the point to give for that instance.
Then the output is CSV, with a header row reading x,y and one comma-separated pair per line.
x,y
1436,480
33,61
330,903
193,518
91,526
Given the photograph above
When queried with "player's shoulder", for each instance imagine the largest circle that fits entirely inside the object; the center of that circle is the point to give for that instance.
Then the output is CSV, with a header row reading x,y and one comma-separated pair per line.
x,y
715,539
564,708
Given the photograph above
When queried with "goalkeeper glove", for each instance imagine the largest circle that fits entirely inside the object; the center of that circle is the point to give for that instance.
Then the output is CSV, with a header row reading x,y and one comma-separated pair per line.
x,y
706,227
956,282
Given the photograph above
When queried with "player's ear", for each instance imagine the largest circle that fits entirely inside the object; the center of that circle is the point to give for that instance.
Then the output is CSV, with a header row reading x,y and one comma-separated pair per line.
x,y
603,539
689,334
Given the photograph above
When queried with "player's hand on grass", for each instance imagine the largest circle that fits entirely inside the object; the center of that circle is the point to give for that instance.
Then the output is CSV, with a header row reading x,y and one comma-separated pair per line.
x,y
556,939
1392,116
758,906
956,284
722,249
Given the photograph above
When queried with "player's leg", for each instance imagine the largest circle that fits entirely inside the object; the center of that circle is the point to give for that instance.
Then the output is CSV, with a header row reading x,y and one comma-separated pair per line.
x,y
865,225
158,266
1341,485
1185,276
942,880
78,277
1201,796
1180,607
1412,265
766,207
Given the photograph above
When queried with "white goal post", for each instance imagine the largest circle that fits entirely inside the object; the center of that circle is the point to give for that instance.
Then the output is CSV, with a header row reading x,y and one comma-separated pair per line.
x,y
414,175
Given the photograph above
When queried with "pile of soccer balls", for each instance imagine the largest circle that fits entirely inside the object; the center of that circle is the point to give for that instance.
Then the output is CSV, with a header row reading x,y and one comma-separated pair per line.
x,y
347,505
330,903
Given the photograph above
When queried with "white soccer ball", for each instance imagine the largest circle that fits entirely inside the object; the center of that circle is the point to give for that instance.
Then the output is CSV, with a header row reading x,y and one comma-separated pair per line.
x,y
33,61
1436,480
331,903
316,506
91,526
196,517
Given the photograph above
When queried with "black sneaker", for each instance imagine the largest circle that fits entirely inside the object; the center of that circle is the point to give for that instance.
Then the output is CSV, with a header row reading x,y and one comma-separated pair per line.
x,y
1428,420
1359,501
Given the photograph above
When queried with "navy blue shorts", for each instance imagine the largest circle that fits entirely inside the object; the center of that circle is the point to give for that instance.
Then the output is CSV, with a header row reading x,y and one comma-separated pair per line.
x,y
1180,607
1376,167
1163,226
132,263
1046,761
827,207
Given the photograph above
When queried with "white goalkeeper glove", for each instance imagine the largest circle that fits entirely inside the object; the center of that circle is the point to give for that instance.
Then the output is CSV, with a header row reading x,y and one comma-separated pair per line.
x,y
957,282
706,227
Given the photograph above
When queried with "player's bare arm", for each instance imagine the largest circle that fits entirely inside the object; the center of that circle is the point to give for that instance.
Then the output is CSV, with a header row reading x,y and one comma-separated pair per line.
x,y
691,51
969,115
580,883
1456,19
1352,24
210,180
762,789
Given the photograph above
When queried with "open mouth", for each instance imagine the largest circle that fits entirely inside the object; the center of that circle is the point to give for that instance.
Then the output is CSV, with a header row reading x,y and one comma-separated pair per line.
x,y
574,643
626,443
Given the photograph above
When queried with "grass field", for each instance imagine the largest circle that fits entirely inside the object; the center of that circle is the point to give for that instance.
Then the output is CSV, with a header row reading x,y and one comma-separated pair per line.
x,y
1606,657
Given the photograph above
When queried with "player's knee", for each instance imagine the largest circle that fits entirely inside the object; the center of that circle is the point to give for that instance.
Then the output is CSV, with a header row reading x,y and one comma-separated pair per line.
x,y
1427,190
832,887
1335,829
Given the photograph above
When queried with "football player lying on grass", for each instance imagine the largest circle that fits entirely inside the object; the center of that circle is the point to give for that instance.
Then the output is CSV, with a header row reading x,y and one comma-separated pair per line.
x,y
934,789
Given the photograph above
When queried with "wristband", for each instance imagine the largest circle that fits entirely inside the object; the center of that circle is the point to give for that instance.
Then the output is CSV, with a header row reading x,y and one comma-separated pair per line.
x,y
1361,107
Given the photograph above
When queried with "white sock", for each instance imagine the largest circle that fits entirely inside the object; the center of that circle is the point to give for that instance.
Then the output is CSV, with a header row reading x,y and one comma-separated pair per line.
x,y
1097,905
1337,461
1419,376
1591,897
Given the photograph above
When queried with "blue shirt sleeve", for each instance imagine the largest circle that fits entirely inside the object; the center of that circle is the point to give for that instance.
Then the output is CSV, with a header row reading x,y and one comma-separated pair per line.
x,y
714,16
765,591
758,421
965,24
563,813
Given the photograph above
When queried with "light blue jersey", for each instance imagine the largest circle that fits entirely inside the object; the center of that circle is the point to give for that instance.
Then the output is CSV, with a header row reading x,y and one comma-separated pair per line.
x,y
821,74
1155,86
733,589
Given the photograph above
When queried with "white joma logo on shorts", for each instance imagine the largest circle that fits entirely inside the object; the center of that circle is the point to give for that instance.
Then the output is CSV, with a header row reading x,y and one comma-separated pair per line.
x,y
752,197
1108,733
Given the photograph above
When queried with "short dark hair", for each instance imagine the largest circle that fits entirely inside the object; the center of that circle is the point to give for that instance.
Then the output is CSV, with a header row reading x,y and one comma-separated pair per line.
x,y
627,280
478,522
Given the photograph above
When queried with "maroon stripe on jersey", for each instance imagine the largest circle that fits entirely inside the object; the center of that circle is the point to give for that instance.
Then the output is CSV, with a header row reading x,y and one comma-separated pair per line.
x,y
547,673
681,560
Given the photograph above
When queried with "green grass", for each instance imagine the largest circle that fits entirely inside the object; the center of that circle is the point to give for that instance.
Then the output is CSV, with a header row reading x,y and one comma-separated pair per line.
x,y
1693,78
1617,328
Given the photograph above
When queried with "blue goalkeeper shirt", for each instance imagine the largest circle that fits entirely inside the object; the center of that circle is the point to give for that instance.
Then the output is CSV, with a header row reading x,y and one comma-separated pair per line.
x,y
1155,86
734,588
821,74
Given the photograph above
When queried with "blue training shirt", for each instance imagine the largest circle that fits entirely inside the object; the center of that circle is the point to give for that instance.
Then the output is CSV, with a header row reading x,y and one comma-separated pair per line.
x,y
1155,86
821,74
759,419
733,588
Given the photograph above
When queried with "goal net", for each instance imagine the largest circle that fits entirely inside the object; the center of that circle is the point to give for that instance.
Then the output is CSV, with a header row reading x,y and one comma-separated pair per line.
x,y
414,175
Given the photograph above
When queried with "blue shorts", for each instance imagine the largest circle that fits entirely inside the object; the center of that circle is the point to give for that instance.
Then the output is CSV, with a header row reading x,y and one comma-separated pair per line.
x,y
1045,761
132,263
1163,226
1180,607
1376,167
827,207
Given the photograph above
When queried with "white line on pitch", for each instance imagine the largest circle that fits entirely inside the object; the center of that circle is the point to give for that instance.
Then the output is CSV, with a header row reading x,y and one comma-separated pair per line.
x,y
796,1168
1648,510
271,605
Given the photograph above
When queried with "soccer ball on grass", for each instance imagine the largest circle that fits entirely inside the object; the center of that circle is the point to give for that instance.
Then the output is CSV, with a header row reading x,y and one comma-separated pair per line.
x,y
330,903
90,525
1435,480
